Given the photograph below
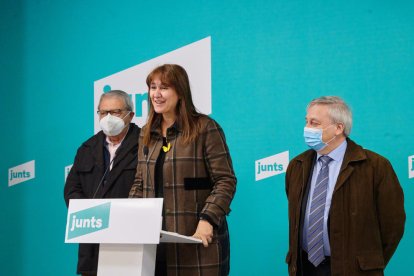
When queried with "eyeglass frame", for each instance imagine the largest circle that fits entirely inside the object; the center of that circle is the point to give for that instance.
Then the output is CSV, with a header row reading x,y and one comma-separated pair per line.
x,y
113,112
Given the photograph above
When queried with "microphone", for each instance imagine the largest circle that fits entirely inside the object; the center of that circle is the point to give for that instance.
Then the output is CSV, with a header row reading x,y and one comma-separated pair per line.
x,y
103,177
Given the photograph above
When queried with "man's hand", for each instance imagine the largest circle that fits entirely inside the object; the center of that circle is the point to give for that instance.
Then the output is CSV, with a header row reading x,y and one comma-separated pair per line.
x,y
204,232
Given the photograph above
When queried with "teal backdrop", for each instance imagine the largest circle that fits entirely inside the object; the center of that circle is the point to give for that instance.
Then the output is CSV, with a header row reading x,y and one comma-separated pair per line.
x,y
269,59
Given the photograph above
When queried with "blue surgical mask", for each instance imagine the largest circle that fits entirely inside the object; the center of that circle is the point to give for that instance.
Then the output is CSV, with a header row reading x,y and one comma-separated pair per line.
x,y
313,138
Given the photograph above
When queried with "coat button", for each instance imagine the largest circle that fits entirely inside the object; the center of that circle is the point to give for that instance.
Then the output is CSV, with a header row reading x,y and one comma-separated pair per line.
x,y
167,210
294,269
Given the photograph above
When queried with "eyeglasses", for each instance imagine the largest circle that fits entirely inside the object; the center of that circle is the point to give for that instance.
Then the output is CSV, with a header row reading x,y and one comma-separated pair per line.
x,y
114,112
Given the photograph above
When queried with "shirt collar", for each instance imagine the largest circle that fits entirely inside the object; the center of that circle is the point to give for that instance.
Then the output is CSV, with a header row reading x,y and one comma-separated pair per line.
x,y
109,142
338,153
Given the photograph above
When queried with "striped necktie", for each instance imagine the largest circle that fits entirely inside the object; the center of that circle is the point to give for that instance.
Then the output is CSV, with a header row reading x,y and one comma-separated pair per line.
x,y
317,209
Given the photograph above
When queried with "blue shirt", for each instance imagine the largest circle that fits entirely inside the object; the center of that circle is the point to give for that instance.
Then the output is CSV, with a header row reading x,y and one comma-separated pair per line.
x,y
337,156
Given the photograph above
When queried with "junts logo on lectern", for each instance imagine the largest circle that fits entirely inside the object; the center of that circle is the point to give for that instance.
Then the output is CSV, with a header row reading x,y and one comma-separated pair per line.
x,y
89,220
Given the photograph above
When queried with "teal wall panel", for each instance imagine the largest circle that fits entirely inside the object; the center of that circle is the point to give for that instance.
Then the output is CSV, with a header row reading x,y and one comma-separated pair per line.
x,y
269,59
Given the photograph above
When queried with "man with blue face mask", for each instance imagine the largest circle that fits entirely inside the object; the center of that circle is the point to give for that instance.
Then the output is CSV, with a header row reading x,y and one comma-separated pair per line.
x,y
105,164
346,206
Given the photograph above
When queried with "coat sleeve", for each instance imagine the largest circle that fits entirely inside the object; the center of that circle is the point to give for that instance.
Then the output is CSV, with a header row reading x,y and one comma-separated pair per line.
x,y
390,208
287,178
137,188
220,169
73,186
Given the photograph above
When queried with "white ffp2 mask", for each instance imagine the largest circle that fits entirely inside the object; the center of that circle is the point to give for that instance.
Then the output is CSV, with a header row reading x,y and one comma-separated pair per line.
x,y
112,125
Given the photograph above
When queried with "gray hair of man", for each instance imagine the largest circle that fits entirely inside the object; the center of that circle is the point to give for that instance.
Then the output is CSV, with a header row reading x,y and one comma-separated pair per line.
x,y
129,106
338,111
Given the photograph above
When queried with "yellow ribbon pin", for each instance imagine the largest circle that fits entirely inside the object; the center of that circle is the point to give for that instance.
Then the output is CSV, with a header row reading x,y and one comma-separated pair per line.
x,y
166,148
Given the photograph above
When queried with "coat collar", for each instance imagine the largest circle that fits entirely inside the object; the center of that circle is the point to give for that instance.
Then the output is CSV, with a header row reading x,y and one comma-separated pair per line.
x,y
354,153
127,144
156,128
124,153
96,143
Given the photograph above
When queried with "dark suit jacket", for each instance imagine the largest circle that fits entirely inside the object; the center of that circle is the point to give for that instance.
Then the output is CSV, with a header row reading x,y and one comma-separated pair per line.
x,y
366,218
87,172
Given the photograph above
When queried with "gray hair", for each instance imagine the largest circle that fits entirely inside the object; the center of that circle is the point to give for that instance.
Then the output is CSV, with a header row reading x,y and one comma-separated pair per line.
x,y
338,111
121,95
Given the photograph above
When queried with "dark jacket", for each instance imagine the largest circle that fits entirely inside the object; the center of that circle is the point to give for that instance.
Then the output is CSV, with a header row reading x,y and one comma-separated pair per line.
x,y
366,218
86,174
198,179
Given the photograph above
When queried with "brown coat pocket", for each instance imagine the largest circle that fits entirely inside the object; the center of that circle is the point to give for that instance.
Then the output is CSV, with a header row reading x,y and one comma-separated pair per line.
x,y
371,261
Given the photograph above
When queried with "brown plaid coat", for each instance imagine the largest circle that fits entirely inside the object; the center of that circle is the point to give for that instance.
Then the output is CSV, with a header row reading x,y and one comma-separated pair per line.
x,y
198,179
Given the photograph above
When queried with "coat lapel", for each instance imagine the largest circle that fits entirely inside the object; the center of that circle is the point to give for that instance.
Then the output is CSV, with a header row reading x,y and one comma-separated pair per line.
x,y
123,155
98,160
154,150
307,160
354,153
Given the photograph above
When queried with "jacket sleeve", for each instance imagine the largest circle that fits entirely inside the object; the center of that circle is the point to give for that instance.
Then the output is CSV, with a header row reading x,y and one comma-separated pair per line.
x,y
287,178
390,208
137,188
73,186
220,169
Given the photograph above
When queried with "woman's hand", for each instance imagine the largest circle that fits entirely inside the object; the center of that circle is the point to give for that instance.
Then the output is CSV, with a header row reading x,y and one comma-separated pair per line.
x,y
204,232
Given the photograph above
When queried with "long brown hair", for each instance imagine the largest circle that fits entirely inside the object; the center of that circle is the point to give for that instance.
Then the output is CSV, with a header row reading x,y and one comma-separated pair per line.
x,y
187,116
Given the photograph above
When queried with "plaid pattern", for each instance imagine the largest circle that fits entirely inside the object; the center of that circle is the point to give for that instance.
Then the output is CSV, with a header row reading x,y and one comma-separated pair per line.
x,y
206,158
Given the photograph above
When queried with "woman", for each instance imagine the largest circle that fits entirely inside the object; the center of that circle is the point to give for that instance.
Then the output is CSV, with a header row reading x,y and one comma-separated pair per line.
x,y
183,157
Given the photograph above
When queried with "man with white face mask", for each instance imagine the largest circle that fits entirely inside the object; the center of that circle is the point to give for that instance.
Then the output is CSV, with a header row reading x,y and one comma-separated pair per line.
x,y
346,206
105,164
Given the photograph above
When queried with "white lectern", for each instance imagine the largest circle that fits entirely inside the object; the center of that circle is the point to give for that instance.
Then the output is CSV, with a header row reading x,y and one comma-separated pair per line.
x,y
127,229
